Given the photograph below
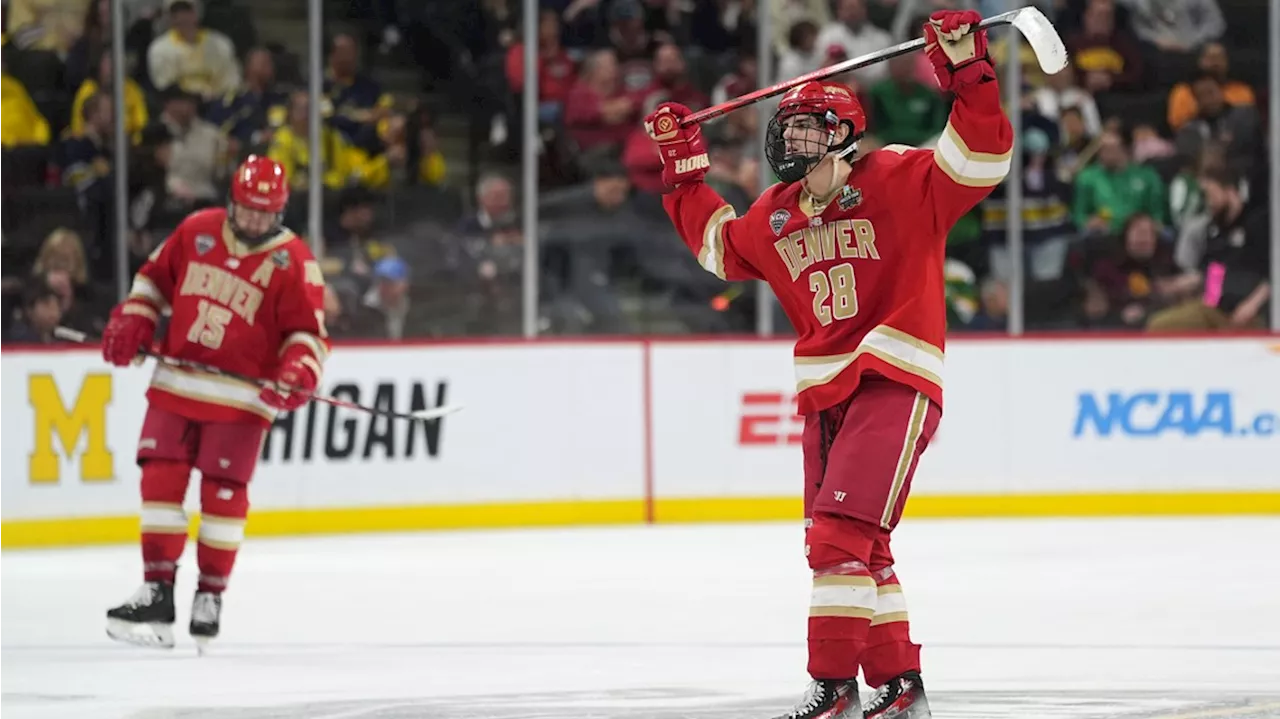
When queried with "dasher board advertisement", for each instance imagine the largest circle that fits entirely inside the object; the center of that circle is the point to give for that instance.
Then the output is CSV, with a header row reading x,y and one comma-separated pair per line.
x,y
538,423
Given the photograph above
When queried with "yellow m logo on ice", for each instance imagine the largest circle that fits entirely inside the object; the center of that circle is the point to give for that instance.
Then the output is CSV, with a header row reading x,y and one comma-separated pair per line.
x,y
88,416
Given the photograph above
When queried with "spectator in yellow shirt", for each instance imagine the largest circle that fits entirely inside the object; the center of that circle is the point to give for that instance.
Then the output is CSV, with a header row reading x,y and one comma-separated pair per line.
x,y
198,60
46,24
20,120
135,102
344,164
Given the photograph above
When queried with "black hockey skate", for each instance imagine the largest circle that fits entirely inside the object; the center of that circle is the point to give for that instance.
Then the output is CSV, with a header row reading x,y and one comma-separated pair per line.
x,y
828,699
206,616
900,698
146,618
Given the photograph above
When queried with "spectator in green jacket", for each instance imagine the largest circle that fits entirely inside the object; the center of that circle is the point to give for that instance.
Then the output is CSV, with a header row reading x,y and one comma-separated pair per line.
x,y
1109,191
904,111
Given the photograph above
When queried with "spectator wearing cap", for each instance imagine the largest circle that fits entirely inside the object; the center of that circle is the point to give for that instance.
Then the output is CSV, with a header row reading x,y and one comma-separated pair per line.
x,y
199,158
248,115
1107,58
632,43
41,313
135,102
854,34
390,294
1109,191
21,122
198,60
1213,61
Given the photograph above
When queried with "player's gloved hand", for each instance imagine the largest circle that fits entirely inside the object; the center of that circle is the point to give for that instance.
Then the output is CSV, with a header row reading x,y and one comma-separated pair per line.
x,y
959,58
684,156
130,330
294,382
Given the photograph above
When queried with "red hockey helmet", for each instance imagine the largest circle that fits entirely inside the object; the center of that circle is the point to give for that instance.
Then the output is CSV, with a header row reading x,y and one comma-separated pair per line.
x,y
260,187
803,130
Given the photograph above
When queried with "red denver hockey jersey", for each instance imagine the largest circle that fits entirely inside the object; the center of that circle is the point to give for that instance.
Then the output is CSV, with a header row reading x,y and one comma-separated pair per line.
x,y
860,278
231,306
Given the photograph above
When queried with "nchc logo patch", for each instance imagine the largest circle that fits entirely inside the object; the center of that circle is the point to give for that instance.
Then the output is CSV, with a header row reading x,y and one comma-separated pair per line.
x,y
778,220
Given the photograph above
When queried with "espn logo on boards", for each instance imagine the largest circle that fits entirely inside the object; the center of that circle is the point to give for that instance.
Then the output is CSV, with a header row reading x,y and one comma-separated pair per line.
x,y
769,419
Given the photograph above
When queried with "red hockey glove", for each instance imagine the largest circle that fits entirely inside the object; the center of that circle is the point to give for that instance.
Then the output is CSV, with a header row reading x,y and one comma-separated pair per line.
x,y
295,381
959,58
684,156
130,330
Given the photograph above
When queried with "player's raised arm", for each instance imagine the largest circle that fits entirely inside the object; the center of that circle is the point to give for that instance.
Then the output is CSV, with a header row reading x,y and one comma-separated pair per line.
x,y
706,223
132,326
973,153
305,344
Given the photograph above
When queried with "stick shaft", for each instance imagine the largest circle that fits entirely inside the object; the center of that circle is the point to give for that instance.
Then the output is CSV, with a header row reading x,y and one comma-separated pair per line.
x,y
823,73
71,335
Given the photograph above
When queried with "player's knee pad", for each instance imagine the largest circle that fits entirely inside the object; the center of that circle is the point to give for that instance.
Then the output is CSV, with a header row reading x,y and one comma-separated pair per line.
x,y
226,498
165,480
832,540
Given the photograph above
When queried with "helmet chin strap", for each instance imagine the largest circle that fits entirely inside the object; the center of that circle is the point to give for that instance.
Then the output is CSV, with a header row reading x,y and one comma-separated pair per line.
x,y
841,154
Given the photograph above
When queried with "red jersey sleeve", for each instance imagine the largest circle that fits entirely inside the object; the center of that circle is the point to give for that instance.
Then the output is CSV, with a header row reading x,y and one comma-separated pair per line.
x,y
972,156
300,312
711,229
156,281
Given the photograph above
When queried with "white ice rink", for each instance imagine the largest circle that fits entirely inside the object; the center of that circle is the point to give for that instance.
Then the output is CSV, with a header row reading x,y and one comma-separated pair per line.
x,y
1159,619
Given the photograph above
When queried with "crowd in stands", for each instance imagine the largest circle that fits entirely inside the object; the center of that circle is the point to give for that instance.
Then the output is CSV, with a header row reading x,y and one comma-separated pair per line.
x,y
1144,179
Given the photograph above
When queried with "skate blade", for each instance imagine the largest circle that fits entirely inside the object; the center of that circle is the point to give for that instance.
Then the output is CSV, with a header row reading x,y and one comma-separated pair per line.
x,y
203,645
156,636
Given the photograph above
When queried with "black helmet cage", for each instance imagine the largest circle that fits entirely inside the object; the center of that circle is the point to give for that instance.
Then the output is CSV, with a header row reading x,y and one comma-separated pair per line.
x,y
792,167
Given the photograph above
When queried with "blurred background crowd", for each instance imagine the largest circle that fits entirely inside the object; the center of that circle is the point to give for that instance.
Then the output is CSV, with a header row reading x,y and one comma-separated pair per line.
x,y
1144,177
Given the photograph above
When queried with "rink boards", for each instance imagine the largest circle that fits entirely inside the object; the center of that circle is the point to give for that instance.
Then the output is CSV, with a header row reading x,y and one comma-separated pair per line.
x,y
630,431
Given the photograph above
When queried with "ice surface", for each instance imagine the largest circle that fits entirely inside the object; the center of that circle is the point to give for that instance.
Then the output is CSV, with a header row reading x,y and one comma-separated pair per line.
x,y
1158,619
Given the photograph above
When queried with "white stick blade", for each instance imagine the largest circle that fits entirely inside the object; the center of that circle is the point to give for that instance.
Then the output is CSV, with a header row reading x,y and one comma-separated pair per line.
x,y
1043,38
437,412
70,335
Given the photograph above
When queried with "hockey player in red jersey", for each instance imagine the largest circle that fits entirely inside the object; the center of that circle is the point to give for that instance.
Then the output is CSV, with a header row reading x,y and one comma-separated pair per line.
x,y
245,295
853,246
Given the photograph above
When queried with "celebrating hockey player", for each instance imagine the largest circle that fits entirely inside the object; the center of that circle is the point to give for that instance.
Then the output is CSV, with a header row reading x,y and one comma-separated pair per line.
x,y
244,295
853,245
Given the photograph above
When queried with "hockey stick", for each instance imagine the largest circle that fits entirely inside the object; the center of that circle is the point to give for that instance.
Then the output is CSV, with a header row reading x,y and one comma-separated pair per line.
x,y
66,333
1029,21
